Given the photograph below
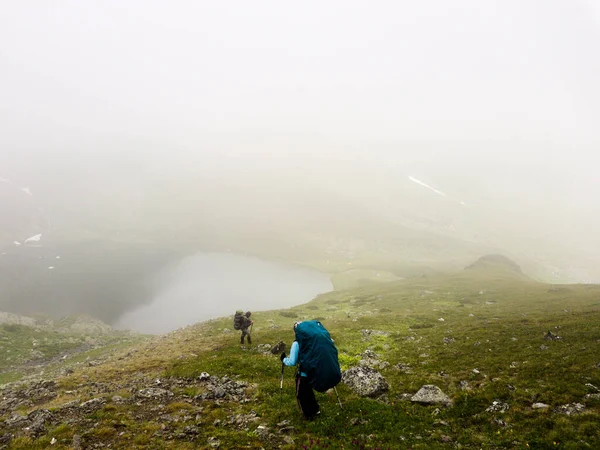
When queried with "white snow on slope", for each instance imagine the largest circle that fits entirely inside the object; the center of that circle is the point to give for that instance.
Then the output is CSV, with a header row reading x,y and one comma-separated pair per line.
x,y
35,238
5,180
419,182
27,191
17,243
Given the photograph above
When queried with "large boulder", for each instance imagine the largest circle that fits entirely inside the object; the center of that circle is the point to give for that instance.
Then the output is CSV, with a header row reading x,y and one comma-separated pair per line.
x,y
365,381
431,395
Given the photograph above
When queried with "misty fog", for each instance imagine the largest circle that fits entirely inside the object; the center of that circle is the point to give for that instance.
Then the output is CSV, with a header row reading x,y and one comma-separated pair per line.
x,y
405,136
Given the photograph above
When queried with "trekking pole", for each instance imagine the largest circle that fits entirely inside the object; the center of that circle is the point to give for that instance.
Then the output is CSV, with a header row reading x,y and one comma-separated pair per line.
x,y
338,397
281,391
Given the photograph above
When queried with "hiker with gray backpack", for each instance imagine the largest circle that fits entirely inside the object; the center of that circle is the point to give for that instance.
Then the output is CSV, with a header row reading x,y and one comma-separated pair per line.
x,y
318,365
242,322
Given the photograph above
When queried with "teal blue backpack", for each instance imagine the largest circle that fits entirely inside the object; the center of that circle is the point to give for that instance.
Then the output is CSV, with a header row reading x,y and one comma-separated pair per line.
x,y
318,357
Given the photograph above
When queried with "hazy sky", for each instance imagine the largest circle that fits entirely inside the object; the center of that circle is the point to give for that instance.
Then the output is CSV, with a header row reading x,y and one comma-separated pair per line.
x,y
470,96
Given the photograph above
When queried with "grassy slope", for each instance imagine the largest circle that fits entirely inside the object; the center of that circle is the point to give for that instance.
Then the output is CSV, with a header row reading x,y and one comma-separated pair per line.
x,y
510,315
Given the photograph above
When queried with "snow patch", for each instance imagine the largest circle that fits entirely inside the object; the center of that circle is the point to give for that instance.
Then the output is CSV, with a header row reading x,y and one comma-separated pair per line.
x,y
17,243
27,191
35,238
51,268
419,182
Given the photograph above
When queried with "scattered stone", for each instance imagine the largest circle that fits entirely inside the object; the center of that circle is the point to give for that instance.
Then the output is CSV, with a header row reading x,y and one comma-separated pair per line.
x,y
591,387
540,406
38,420
76,444
365,381
227,330
498,406
402,367
154,393
550,336
543,347
368,333
448,340
53,441
592,396
445,439
570,409
92,405
117,399
500,422
288,440
441,319
431,395
278,348
213,442
476,371
262,431
191,430
356,421
204,376
464,385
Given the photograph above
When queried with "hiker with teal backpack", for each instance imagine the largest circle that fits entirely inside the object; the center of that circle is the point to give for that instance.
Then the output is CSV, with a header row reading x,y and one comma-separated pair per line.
x,y
318,368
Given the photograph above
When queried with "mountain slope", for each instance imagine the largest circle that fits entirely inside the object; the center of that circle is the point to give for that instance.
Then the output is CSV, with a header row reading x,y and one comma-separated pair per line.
x,y
478,335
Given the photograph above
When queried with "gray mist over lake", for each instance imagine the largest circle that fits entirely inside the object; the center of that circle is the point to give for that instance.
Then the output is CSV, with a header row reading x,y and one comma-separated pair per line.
x,y
211,285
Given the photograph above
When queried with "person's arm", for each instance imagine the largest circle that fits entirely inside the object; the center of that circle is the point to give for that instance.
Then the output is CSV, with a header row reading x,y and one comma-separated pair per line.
x,y
292,360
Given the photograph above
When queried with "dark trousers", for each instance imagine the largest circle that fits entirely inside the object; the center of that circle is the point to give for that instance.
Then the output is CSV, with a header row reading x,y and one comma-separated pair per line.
x,y
306,398
245,332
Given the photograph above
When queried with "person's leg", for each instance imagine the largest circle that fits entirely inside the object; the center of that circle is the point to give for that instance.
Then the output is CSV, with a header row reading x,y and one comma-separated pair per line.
x,y
306,398
243,334
249,337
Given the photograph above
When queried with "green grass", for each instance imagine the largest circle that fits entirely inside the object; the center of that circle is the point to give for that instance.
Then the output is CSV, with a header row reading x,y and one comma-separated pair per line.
x,y
493,321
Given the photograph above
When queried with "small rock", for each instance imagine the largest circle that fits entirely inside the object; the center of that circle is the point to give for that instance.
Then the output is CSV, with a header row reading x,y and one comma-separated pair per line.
x,y
570,409
500,422
540,406
76,442
464,385
92,404
204,376
403,368
154,393
448,340
365,381
262,431
431,395
441,319
543,347
117,399
278,348
591,387
498,406
476,371
445,439
550,336
213,442
288,440
53,441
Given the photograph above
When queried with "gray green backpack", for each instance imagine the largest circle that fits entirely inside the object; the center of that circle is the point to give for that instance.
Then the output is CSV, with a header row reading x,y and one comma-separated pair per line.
x,y
238,320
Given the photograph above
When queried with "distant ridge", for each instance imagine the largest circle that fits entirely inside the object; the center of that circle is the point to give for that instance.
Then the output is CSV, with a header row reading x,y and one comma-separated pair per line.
x,y
488,262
